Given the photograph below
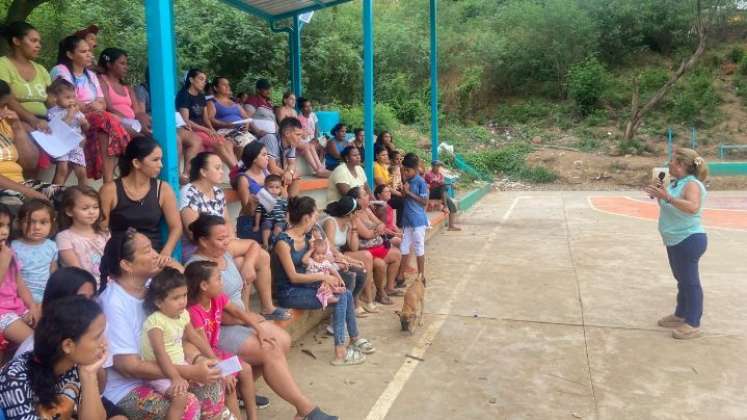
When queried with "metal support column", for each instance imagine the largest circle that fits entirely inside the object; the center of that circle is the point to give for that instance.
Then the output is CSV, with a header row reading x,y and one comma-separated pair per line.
x,y
434,80
295,37
368,88
159,18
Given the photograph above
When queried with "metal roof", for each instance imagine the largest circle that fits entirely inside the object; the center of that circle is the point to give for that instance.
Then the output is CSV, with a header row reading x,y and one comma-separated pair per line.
x,y
274,10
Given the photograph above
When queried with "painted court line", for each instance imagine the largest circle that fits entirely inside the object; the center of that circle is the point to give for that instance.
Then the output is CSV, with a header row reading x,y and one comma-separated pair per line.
x,y
382,406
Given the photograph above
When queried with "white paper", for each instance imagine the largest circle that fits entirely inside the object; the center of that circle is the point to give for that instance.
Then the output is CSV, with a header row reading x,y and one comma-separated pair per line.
x,y
61,141
268,126
133,124
229,366
242,122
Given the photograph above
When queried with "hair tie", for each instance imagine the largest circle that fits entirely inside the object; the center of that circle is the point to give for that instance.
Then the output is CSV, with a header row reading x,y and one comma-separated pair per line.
x,y
698,161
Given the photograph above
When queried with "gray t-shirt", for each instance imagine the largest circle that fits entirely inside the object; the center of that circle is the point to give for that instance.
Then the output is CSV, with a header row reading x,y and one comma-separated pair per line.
x,y
276,150
233,284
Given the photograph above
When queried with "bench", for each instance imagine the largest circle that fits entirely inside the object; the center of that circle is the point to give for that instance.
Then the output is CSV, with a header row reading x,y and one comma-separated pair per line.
x,y
723,148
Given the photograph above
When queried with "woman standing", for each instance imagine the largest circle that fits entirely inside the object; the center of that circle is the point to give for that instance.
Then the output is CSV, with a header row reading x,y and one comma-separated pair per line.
x,y
106,138
297,289
138,199
681,229
192,105
58,378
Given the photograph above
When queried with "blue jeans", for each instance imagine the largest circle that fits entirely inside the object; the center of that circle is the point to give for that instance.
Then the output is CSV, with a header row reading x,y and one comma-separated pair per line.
x,y
683,259
305,298
354,280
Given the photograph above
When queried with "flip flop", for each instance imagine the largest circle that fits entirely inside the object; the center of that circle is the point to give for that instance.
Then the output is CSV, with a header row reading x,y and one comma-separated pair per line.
x,y
279,314
364,346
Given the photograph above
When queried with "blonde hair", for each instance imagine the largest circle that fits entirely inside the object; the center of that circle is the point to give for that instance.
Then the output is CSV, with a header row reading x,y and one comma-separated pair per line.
x,y
694,164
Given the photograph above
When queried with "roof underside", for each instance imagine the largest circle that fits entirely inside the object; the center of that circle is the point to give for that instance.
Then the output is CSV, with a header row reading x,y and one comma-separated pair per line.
x,y
274,10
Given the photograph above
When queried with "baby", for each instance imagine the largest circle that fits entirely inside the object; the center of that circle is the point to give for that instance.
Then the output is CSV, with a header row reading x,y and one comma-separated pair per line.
x,y
317,260
68,110
272,221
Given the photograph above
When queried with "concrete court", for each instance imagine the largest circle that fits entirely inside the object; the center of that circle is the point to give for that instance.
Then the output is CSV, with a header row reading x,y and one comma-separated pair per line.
x,y
546,308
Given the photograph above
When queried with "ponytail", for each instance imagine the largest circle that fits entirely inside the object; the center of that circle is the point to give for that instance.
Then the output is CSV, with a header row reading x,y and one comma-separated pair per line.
x,y
694,164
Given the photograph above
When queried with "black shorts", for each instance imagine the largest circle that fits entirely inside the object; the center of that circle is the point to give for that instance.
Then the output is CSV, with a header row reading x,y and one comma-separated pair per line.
x,y
111,409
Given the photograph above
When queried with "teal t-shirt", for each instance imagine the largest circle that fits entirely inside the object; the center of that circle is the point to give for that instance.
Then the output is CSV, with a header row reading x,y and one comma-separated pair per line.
x,y
675,225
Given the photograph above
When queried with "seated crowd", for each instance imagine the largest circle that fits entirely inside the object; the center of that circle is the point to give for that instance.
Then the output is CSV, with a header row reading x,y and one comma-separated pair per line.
x,y
147,333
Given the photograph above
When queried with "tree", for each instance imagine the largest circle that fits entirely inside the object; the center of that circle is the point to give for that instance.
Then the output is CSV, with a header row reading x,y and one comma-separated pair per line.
x,y
21,9
637,112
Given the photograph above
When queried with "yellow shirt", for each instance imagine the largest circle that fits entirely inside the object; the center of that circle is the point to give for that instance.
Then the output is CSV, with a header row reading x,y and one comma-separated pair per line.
x,y
173,331
382,172
9,166
31,94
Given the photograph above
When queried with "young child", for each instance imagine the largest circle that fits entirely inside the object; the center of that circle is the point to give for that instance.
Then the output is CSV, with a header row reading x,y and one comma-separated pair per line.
x,y
414,218
207,302
385,213
67,110
272,221
18,311
163,334
317,260
36,253
437,186
82,239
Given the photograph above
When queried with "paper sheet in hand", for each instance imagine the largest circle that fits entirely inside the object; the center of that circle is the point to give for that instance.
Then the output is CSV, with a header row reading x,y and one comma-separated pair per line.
x,y
133,124
229,366
62,140
242,122
267,126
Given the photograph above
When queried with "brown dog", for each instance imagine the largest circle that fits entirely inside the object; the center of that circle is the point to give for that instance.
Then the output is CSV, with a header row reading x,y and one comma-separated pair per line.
x,y
412,307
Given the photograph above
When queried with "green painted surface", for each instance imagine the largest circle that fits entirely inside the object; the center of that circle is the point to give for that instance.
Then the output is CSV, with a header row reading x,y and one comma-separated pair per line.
x,y
472,197
727,168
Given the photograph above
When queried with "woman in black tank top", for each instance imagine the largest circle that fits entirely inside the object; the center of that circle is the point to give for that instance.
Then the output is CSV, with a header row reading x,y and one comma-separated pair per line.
x,y
139,200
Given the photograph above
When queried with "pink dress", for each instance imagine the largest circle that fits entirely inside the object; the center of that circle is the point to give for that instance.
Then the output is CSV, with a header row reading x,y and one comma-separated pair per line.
x,y
10,302
209,320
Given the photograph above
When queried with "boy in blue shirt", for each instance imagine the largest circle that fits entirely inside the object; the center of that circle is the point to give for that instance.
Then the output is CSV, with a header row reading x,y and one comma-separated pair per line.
x,y
414,218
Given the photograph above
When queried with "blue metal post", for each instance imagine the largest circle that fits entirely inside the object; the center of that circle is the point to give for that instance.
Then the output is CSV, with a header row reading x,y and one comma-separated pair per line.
x,y
669,144
694,140
434,80
368,88
296,56
159,15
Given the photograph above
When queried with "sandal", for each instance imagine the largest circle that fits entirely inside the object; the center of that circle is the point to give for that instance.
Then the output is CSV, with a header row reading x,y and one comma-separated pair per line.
x,y
360,312
370,308
352,357
364,346
318,414
279,314
395,292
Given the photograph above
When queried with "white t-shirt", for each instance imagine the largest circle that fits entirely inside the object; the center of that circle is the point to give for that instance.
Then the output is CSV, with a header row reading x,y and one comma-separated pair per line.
x,y
342,175
125,317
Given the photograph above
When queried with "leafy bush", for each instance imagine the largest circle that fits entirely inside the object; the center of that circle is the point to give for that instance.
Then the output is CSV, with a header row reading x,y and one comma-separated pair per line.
x,y
736,55
742,69
384,117
412,111
631,147
537,174
696,100
586,82
588,144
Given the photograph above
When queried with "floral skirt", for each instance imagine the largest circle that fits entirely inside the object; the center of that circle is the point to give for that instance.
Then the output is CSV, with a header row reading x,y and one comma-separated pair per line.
x,y
205,402
109,125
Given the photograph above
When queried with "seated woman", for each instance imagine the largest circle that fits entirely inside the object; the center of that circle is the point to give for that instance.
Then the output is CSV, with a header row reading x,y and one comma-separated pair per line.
x,y
347,176
138,199
106,139
297,289
64,283
58,379
13,187
305,146
211,235
335,146
192,105
249,181
203,195
28,81
128,264
338,230
119,96
386,259
382,177
189,144
310,123
384,139
223,112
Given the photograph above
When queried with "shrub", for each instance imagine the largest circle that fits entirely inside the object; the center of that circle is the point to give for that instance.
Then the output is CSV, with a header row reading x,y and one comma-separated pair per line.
x,y
631,147
736,54
588,144
384,117
695,100
508,159
586,82
537,174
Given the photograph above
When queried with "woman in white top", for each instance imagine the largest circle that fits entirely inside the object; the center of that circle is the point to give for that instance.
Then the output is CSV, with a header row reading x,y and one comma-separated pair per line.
x,y
348,175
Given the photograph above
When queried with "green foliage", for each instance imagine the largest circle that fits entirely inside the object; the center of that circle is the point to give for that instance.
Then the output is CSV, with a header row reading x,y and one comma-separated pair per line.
x,y
695,101
588,144
631,147
537,174
384,117
736,55
508,159
586,82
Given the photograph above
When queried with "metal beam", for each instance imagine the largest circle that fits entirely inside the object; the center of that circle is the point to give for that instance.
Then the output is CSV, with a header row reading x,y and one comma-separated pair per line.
x,y
159,17
296,57
249,9
308,9
368,88
434,79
